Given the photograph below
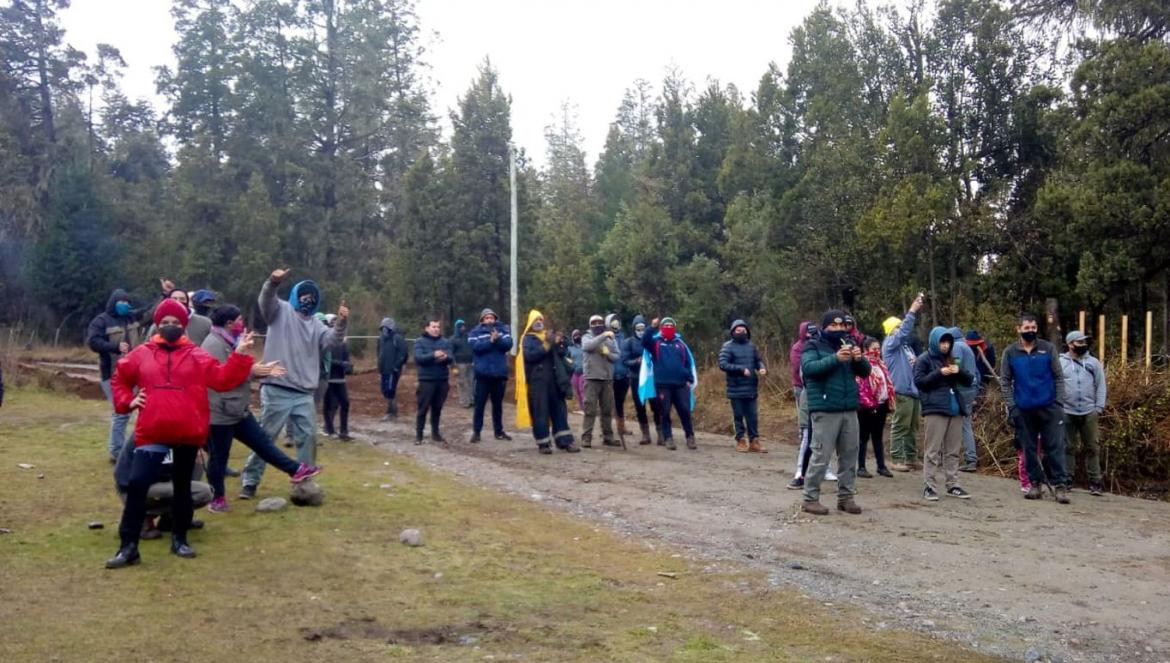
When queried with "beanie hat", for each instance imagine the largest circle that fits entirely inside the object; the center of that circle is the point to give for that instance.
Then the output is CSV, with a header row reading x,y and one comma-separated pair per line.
x,y
486,312
833,317
171,307
891,323
668,321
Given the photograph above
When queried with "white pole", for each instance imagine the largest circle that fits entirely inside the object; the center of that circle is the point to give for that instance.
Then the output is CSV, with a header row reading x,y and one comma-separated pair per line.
x,y
515,290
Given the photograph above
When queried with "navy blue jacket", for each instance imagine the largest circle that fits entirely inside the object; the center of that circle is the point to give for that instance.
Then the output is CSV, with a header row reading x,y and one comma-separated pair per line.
x,y
734,357
429,368
491,359
108,329
672,363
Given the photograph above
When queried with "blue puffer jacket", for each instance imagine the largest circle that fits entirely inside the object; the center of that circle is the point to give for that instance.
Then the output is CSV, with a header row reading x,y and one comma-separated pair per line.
x,y
734,357
429,368
491,359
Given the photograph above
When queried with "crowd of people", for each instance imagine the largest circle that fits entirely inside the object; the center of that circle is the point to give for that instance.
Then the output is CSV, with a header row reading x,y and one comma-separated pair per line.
x,y
189,373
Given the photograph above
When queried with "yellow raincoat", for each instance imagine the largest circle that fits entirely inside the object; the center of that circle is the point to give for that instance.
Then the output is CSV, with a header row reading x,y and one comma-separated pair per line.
x,y
523,416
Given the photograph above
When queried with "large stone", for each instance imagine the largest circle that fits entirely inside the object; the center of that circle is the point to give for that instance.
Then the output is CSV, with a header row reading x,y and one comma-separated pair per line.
x,y
307,493
270,504
411,537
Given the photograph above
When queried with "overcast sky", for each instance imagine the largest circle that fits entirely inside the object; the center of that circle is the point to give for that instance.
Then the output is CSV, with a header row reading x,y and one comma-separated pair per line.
x,y
546,51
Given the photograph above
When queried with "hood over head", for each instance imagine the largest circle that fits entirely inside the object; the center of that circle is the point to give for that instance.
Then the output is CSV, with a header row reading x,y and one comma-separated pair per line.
x,y
740,323
936,336
388,324
118,295
301,288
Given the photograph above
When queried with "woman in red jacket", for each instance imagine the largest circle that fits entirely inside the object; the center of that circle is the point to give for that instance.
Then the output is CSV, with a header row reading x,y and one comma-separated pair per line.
x,y
171,376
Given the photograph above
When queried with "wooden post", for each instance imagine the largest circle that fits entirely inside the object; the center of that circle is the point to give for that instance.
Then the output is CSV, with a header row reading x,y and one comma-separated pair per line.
x,y
1149,338
1052,321
1101,338
1081,322
1124,341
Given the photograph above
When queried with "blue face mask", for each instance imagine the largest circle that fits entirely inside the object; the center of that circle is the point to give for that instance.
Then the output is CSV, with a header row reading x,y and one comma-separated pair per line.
x,y
835,338
122,308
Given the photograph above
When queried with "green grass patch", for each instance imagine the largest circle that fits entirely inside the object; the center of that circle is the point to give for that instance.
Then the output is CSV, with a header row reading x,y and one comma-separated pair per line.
x,y
498,579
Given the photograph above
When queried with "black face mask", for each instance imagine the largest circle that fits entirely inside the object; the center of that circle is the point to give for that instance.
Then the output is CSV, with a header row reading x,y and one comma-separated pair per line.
x,y
597,330
170,333
202,310
1028,336
1080,350
740,336
836,338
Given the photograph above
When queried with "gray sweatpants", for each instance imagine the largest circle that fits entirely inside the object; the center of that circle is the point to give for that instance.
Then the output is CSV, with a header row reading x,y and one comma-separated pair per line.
x,y
833,432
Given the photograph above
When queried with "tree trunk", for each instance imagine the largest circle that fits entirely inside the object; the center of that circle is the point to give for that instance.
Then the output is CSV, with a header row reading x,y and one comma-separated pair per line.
x,y
1052,318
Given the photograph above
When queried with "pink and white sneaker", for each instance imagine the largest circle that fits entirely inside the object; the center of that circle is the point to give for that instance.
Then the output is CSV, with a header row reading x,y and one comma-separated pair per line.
x,y
306,471
219,505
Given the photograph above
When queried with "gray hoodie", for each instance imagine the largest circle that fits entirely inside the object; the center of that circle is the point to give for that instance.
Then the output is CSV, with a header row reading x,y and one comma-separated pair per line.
x,y
599,364
228,407
1084,385
296,341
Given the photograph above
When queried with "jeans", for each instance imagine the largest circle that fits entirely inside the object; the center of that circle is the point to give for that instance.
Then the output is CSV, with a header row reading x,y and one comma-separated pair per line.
x,y
872,423
279,406
640,410
249,432
118,423
1047,423
337,396
621,387
678,396
431,396
489,387
832,431
143,470
598,402
746,411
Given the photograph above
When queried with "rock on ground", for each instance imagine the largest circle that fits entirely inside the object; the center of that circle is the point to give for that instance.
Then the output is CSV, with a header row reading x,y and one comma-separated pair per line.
x,y
269,504
411,537
307,493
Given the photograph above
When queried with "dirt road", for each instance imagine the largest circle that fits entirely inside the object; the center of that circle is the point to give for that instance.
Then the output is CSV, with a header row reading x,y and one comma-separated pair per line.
x,y
1088,581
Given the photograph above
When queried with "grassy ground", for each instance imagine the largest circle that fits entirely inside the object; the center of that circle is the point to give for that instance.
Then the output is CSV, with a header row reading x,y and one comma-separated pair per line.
x,y
498,579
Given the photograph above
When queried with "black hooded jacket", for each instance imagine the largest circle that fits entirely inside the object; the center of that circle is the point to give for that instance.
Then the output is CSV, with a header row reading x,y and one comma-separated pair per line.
x,y
108,329
734,357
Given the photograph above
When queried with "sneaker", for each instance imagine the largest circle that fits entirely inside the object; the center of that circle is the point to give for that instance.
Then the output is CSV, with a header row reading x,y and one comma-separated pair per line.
x,y
864,473
815,508
929,495
669,442
474,438
900,467
1034,493
345,437
691,443
418,440
796,484
306,471
885,473
955,491
504,437
1096,489
248,492
218,505
829,476
968,467
1062,495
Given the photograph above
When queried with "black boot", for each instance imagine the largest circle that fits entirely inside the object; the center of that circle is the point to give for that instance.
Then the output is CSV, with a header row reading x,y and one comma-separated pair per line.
x,y
127,556
180,548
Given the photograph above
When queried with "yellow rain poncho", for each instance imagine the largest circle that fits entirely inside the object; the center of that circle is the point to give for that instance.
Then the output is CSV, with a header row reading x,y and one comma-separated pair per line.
x,y
523,416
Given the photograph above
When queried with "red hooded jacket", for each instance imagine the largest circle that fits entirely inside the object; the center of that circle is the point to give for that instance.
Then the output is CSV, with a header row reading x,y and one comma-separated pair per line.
x,y
175,380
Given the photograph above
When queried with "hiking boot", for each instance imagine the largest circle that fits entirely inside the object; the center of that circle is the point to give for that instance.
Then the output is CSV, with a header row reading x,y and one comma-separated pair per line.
x,y
669,443
864,473
691,443
849,506
885,473
796,484
611,443
474,438
248,492
815,508
127,556
1095,488
1034,493
955,491
929,495
755,447
571,448
900,467
543,449
645,433
180,548
741,445
503,437
218,505
1062,495
587,441
306,471
969,466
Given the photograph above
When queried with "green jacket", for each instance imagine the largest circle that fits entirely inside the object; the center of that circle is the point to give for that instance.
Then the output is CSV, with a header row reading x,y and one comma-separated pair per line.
x,y
829,383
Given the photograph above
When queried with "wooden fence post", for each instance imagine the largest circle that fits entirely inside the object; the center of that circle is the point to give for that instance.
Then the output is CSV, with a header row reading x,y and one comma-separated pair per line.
x,y
1081,323
1101,338
1149,340
1124,341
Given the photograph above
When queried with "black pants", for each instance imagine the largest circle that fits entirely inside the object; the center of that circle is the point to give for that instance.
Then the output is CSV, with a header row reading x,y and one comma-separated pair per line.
x,y
872,423
640,410
487,386
144,468
431,396
248,431
746,411
621,387
678,396
337,396
1048,424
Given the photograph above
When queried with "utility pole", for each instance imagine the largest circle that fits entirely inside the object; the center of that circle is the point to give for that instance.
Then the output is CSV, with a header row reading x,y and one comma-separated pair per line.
x,y
516,331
